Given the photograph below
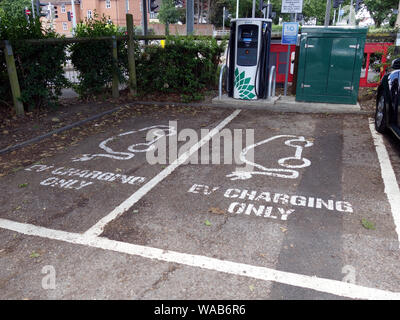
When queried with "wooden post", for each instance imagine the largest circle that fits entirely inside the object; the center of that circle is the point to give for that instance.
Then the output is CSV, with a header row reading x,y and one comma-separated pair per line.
x,y
13,76
131,56
115,82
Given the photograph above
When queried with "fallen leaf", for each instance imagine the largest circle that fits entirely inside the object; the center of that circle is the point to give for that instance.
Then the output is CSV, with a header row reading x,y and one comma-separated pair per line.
x,y
216,210
367,224
34,255
207,223
283,229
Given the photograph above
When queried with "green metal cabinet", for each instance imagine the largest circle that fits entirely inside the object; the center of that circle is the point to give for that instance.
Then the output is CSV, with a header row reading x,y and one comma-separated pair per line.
x,y
330,64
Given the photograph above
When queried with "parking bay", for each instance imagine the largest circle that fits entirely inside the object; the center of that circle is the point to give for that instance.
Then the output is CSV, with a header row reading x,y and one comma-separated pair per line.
x,y
300,215
74,189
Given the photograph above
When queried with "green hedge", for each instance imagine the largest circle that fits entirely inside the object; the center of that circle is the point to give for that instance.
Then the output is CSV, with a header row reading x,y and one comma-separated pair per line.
x,y
39,66
184,65
93,60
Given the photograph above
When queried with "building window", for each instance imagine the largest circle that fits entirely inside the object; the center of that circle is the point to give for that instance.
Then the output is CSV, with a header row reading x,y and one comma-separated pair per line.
x,y
108,4
127,5
65,26
89,14
63,8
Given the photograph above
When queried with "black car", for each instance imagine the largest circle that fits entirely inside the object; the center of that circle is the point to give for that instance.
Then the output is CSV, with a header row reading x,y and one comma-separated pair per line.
x,y
387,113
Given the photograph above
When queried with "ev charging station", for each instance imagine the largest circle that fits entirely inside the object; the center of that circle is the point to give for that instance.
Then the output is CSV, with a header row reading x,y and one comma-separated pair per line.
x,y
248,58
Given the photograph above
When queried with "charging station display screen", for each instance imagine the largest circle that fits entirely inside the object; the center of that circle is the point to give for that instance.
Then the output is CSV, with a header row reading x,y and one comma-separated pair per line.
x,y
247,45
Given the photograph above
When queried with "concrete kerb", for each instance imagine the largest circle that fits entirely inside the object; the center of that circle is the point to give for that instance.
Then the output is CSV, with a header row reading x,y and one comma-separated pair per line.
x,y
289,104
276,105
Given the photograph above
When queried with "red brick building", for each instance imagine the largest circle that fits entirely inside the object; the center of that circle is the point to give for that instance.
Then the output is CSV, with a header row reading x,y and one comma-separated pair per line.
x,y
115,10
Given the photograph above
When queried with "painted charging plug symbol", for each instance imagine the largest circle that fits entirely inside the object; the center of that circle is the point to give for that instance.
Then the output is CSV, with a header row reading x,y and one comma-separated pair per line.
x,y
158,132
288,163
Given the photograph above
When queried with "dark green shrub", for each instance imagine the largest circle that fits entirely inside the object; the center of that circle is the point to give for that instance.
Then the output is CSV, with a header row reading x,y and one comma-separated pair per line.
x,y
39,66
185,65
93,60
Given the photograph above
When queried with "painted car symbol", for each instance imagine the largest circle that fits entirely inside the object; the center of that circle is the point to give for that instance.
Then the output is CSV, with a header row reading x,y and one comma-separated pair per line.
x,y
288,163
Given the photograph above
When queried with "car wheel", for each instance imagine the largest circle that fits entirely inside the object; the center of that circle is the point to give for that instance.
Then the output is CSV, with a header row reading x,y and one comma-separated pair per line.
x,y
380,114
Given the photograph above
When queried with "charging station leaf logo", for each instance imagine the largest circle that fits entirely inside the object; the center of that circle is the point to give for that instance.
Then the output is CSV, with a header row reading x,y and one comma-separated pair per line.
x,y
242,85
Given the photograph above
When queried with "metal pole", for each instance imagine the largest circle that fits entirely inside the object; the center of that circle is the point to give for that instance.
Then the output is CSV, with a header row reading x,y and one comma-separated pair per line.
x,y
352,22
26,16
144,17
237,9
33,10
327,12
223,19
253,11
73,16
50,10
189,17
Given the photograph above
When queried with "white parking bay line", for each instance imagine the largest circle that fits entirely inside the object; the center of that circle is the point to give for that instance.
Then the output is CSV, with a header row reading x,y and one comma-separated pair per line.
x,y
98,228
389,178
335,287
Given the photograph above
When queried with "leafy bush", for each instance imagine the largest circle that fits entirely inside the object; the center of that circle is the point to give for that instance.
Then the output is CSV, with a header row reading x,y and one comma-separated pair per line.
x,y
184,65
39,66
93,60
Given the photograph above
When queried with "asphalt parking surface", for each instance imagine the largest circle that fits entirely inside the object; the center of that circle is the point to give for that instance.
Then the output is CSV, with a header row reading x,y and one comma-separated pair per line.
x,y
312,207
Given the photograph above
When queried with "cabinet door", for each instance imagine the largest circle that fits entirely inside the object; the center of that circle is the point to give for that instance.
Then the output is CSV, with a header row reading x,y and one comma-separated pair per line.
x,y
316,65
341,68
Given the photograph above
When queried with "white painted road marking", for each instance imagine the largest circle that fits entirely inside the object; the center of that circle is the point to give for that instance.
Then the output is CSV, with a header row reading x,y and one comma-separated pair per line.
x,y
335,287
98,228
389,178
280,173
159,132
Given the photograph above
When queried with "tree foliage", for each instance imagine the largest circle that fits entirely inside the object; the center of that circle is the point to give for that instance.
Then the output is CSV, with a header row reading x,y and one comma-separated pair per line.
x,y
381,9
39,66
14,8
169,13
93,60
